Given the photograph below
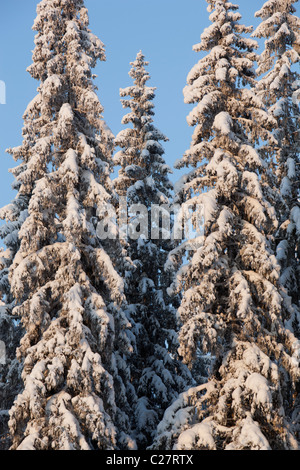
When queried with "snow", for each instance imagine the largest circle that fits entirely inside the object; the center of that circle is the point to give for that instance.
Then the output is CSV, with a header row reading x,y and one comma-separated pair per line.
x,y
291,167
295,215
221,73
251,155
74,219
199,435
282,250
146,417
66,113
206,204
204,106
279,108
51,85
71,294
75,303
145,285
283,30
242,292
70,163
286,188
32,105
249,437
259,385
106,263
96,190
276,84
28,444
223,123
252,184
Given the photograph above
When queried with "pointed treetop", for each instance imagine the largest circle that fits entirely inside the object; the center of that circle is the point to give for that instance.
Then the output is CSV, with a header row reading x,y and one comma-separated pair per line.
x,y
75,339
138,72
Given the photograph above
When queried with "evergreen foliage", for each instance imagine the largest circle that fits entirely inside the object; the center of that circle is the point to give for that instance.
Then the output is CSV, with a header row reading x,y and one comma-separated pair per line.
x,y
158,375
231,306
117,335
66,289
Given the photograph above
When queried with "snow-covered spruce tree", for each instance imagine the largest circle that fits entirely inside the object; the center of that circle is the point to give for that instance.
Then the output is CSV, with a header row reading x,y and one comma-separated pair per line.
x,y
11,330
277,88
143,179
10,370
67,291
231,304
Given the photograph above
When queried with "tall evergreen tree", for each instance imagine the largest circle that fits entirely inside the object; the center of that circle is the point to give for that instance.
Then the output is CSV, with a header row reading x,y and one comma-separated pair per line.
x,y
10,370
11,331
280,27
231,304
67,291
143,180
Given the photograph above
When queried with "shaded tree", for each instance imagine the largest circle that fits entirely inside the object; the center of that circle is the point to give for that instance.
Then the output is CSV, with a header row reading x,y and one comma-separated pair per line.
x,y
143,181
231,306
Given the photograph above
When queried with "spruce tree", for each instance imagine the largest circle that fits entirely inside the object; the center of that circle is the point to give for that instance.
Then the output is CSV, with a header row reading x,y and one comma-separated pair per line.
x,y
143,180
66,289
231,307
277,88
10,370
11,331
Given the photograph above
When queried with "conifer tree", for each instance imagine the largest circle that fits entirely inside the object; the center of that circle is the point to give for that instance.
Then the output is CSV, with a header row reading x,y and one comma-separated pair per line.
x,y
66,289
10,370
231,308
143,180
11,329
277,88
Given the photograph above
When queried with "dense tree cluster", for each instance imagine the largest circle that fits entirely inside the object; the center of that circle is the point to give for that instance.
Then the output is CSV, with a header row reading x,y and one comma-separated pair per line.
x,y
142,339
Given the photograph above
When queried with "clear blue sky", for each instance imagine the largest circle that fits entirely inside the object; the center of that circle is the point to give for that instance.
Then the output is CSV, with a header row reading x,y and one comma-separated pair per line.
x,y
165,30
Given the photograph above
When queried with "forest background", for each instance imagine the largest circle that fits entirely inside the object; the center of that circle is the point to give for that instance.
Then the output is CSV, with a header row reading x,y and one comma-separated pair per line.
x,y
164,30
